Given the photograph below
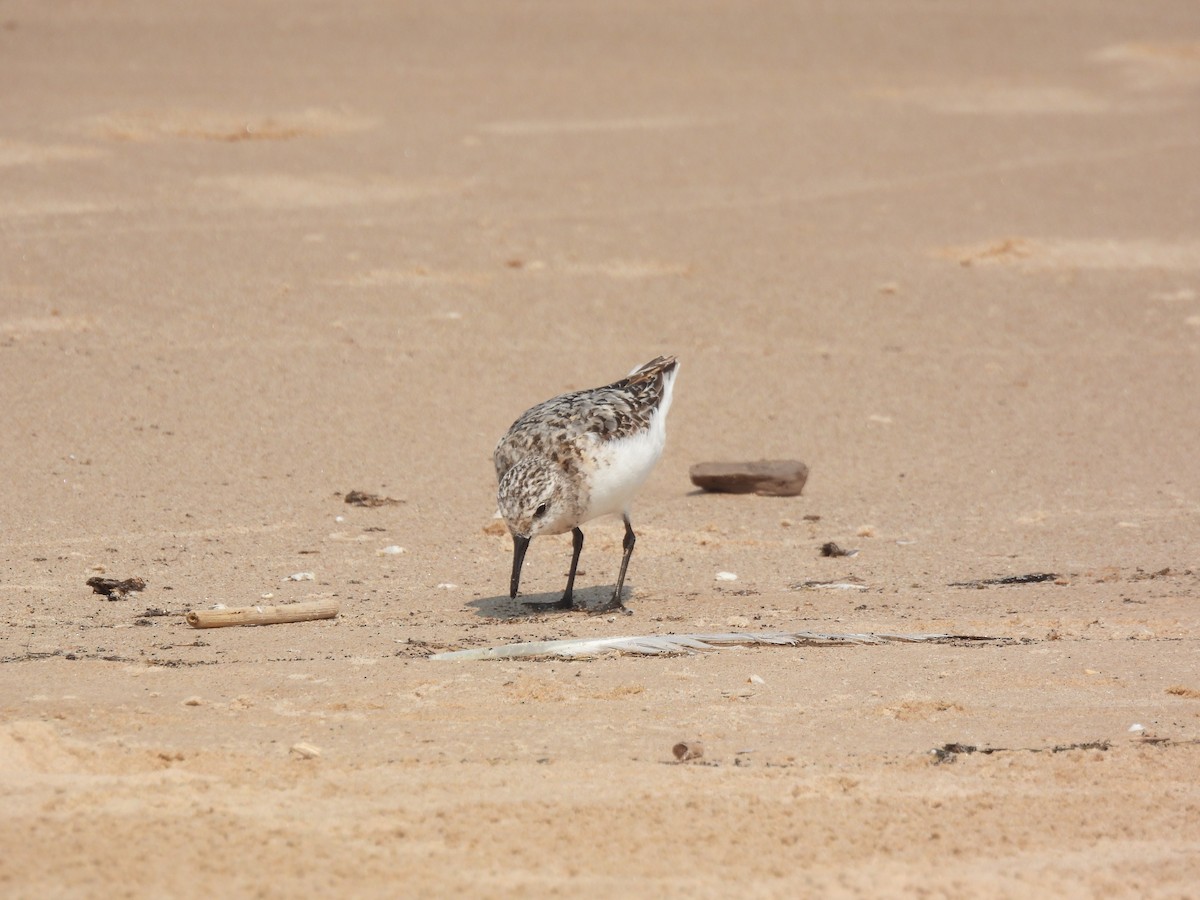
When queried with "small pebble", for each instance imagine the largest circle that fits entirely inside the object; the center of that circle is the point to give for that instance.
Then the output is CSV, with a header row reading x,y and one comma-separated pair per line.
x,y
194,701
301,576
829,548
447,586
726,576
756,679
306,751
392,550
686,750
1136,727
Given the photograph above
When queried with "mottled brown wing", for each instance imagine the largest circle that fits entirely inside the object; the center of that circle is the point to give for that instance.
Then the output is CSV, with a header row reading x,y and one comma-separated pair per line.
x,y
608,412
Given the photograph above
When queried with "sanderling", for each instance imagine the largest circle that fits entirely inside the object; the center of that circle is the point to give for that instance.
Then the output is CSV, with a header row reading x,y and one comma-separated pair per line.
x,y
580,456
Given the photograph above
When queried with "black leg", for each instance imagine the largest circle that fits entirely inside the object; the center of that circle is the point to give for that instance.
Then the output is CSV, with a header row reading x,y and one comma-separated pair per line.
x,y
568,597
630,540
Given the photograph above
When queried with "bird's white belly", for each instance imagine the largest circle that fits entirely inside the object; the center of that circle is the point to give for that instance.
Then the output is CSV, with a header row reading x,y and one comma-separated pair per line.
x,y
620,469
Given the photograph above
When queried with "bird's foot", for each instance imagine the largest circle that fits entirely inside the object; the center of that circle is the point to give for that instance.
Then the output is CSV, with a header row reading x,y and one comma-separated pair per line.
x,y
613,605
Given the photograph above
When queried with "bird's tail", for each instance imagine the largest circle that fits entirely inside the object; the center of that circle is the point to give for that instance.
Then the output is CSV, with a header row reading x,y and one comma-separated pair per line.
x,y
664,365
654,382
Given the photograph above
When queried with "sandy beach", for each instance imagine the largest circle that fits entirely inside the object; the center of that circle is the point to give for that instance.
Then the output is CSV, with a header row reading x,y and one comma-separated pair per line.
x,y
254,256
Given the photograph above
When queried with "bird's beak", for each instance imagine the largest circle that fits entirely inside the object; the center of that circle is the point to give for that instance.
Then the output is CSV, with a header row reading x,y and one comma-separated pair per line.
x,y
520,545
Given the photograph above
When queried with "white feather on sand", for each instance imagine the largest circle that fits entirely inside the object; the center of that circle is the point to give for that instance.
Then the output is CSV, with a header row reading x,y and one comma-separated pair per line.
x,y
659,645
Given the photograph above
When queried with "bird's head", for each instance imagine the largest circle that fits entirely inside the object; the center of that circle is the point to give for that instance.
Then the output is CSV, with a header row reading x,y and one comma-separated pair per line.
x,y
534,499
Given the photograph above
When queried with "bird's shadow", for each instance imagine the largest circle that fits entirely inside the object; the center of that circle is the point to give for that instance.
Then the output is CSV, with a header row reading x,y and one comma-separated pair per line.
x,y
502,606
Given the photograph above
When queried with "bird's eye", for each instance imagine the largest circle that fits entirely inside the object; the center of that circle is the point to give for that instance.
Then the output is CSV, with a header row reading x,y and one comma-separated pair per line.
x,y
540,511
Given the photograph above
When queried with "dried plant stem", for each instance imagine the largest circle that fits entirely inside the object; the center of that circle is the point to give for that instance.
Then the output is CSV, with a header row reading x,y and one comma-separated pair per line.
x,y
263,615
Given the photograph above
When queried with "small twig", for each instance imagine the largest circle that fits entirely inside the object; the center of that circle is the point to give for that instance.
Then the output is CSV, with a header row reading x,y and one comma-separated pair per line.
x,y
947,753
1035,578
362,498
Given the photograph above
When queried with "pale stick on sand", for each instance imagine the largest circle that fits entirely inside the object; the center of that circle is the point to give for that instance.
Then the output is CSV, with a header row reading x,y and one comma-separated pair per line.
x,y
263,615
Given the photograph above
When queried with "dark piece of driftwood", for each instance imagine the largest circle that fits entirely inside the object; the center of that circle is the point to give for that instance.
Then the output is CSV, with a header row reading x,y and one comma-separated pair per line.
x,y
768,477
263,615
116,588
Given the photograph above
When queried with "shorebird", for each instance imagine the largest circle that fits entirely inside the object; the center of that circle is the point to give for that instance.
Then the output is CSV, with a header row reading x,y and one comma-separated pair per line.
x,y
579,456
